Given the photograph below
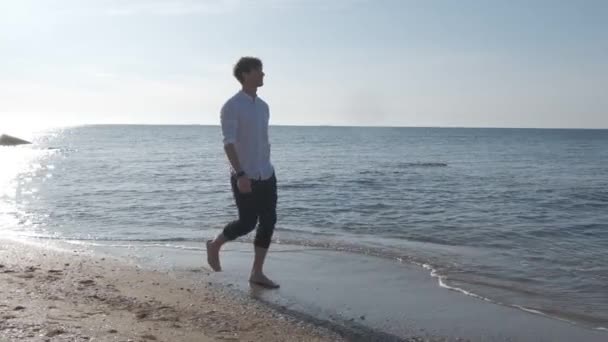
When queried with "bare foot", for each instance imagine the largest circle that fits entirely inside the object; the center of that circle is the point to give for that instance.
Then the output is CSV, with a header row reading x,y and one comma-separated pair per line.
x,y
262,280
213,257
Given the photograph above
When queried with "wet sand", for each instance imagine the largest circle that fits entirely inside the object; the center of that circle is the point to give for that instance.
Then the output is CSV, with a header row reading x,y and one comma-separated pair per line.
x,y
364,297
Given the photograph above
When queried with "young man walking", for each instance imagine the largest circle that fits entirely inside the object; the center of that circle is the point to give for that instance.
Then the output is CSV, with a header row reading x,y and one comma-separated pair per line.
x,y
244,119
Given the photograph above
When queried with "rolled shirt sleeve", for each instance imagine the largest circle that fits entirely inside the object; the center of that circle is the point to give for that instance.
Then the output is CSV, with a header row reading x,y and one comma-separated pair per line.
x,y
229,120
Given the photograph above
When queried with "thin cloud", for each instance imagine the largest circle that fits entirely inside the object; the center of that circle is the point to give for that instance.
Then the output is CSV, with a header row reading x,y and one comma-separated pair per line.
x,y
188,7
171,8
120,8
25,9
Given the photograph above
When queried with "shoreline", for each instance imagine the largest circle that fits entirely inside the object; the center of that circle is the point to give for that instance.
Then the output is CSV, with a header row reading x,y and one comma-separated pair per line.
x,y
331,301
441,280
357,292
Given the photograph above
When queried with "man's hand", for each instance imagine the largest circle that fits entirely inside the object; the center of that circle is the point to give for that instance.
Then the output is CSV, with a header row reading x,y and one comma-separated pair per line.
x,y
244,184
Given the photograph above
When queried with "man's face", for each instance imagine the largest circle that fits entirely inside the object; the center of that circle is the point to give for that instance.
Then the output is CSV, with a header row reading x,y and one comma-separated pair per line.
x,y
255,77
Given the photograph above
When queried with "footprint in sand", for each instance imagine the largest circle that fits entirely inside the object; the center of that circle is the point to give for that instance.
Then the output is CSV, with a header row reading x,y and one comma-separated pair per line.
x,y
51,277
227,338
97,297
55,332
25,276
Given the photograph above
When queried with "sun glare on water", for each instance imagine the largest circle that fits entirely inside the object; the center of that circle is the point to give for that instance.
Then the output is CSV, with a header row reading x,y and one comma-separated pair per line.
x,y
19,166
26,128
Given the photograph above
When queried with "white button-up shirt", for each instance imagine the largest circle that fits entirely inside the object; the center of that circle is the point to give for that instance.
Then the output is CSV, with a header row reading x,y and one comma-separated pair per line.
x,y
245,124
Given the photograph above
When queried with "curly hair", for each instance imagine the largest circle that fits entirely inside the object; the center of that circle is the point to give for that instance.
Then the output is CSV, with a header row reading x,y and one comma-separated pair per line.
x,y
246,64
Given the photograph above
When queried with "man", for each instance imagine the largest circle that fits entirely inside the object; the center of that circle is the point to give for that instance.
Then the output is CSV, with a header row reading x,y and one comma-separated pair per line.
x,y
244,120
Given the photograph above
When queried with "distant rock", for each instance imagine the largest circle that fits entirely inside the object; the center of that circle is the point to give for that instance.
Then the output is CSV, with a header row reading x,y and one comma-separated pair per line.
x,y
7,140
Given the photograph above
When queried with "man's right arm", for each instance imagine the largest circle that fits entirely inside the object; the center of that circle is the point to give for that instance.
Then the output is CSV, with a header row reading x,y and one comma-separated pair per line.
x,y
230,123
229,120
232,157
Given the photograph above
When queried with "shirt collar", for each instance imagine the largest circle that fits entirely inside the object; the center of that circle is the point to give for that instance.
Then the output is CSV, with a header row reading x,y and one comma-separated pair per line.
x,y
247,96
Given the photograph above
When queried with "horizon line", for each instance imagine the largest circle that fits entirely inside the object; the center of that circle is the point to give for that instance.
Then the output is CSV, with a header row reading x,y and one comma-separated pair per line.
x,y
39,129
339,126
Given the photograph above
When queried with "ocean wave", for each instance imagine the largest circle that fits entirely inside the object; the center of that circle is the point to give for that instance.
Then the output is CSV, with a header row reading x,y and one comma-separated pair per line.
x,y
131,245
442,283
421,164
83,239
442,280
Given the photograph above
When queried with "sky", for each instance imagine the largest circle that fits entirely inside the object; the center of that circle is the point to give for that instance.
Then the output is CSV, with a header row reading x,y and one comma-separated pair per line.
x,y
343,62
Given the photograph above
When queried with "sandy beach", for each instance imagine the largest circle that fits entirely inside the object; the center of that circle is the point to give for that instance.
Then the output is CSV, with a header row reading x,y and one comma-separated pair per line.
x,y
63,292
51,295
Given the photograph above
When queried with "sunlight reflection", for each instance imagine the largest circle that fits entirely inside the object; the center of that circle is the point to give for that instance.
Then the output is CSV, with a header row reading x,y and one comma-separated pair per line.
x,y
20,166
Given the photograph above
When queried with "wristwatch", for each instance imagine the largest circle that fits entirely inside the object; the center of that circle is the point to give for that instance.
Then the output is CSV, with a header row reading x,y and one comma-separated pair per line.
x,y
240,174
